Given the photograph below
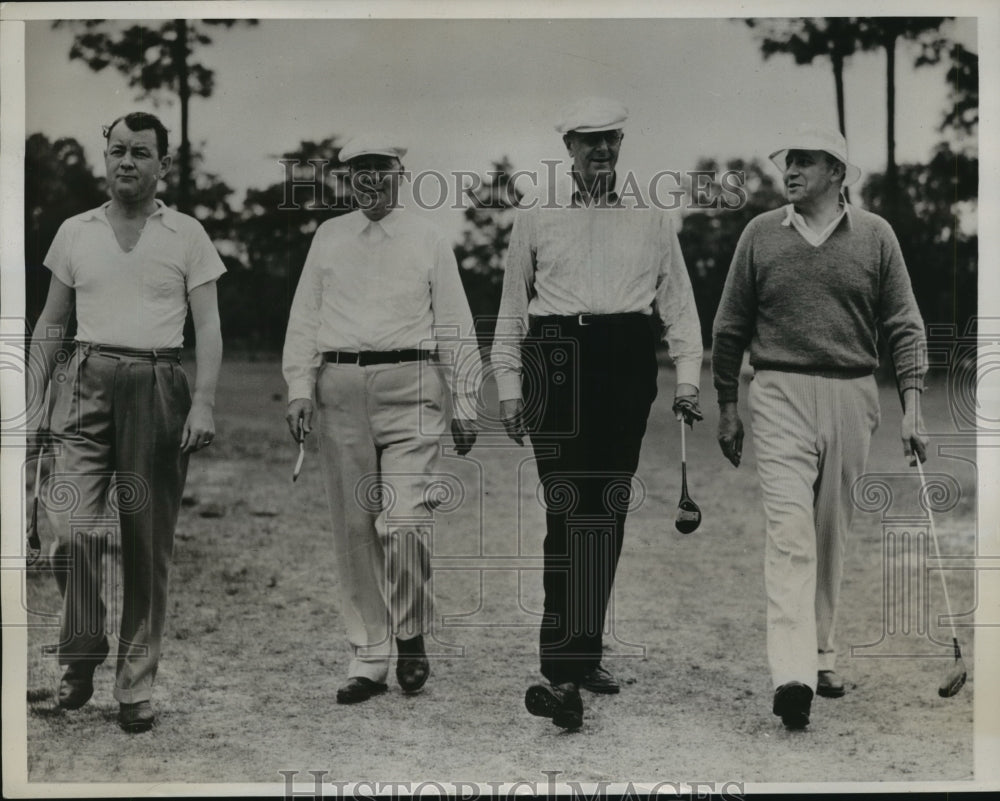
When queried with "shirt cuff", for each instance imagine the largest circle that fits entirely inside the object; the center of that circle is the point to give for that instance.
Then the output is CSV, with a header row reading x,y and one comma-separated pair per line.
x,y
301,390
508,386
465,407
689,372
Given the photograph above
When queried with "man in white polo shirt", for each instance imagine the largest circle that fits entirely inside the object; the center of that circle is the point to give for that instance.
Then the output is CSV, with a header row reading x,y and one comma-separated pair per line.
x,y
378,313
123,419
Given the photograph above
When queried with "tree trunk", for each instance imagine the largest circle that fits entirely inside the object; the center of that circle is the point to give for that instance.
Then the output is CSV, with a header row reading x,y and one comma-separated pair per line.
x,y
838,82
890,101
184,91
837,60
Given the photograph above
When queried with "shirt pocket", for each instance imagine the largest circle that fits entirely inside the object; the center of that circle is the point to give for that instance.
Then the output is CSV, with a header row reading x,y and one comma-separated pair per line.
x,y
163,292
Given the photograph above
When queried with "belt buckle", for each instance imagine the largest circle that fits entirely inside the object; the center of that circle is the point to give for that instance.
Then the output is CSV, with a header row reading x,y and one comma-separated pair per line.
x,y
579,319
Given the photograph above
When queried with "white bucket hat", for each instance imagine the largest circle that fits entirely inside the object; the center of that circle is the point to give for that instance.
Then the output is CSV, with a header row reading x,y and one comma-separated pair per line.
x,y
814,137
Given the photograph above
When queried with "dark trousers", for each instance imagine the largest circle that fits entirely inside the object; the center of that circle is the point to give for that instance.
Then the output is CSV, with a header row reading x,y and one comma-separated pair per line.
x,y
587,392
116,426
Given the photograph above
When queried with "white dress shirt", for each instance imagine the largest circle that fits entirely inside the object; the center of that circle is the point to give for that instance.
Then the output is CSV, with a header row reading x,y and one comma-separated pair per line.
x,y
597,260
378,286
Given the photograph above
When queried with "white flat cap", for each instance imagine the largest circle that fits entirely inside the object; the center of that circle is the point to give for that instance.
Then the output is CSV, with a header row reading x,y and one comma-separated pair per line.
x,y
814,137
593,114
370,144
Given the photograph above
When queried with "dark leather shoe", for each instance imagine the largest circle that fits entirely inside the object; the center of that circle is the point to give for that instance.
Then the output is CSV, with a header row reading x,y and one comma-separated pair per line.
x,y
791,703
829,684
359,689
560,703
600,681
137,717
412,668
77,684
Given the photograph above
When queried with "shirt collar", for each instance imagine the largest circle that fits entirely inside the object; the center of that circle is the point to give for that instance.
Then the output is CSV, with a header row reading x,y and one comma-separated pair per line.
x,y
166,215
390,223
610,199
845,213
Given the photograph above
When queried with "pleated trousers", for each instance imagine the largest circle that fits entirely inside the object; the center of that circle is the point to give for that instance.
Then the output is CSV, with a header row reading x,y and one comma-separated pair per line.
x,y
116,426
587,391
380,428
812,436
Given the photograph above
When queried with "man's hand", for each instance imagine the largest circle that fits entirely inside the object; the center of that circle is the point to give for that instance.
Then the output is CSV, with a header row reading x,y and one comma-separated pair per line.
x,y
299,409
686,404
730,433
512,414
914,443
463,433
199,428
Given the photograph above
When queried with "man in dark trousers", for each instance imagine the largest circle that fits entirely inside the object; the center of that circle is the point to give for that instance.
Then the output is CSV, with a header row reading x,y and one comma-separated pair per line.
x,y
575,364
809,288
122,408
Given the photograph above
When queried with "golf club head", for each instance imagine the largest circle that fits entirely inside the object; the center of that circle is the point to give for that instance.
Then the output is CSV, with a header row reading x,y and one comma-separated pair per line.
x,y
954,680
688,516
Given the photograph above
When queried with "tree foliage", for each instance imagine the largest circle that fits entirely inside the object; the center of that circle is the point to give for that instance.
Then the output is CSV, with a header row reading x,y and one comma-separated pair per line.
x,y
708,236
480,254
809,38
276,227
154,60
58,184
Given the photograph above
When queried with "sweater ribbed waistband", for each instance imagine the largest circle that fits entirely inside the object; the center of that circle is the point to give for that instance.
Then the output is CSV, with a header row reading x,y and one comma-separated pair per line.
x,y
819,372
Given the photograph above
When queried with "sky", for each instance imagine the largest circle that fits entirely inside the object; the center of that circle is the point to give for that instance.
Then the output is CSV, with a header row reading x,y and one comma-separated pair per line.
x,y
462,93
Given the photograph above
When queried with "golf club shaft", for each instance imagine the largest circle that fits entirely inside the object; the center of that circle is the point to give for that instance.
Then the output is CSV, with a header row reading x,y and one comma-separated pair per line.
x,y
937,552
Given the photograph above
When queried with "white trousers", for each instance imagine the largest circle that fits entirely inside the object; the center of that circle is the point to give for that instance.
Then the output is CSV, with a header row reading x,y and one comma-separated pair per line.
x,y
812,436
380,428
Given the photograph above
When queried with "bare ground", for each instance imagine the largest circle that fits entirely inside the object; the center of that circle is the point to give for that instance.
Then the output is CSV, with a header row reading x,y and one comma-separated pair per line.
x,y
255,647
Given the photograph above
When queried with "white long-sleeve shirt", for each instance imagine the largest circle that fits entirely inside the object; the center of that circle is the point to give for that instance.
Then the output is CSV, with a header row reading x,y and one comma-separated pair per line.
x,y
598,260
377,286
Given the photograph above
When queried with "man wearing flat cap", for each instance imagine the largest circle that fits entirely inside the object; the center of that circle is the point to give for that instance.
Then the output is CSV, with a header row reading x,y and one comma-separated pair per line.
x,y
373,337
575,365
811,288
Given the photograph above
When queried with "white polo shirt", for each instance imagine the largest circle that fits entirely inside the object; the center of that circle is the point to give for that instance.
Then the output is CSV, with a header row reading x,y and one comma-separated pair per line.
x,y
137,299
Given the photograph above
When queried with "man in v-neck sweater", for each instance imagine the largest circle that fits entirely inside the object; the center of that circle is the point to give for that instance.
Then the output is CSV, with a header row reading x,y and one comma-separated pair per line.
x,y
811,288
123,420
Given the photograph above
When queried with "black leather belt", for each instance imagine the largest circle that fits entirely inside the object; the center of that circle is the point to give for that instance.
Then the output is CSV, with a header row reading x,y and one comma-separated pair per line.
x,y
586,319
367,357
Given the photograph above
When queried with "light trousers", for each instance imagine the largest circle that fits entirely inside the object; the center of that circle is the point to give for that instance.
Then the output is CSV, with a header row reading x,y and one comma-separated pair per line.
x,y
812,435
380,428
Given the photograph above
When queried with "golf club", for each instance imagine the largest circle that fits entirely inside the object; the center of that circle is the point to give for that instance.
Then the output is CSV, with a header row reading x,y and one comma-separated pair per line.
x,y
956,675
688,513
302,452
34,550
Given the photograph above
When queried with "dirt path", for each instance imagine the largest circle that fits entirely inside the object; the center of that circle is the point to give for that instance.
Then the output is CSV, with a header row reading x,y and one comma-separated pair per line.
x,y
256,650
